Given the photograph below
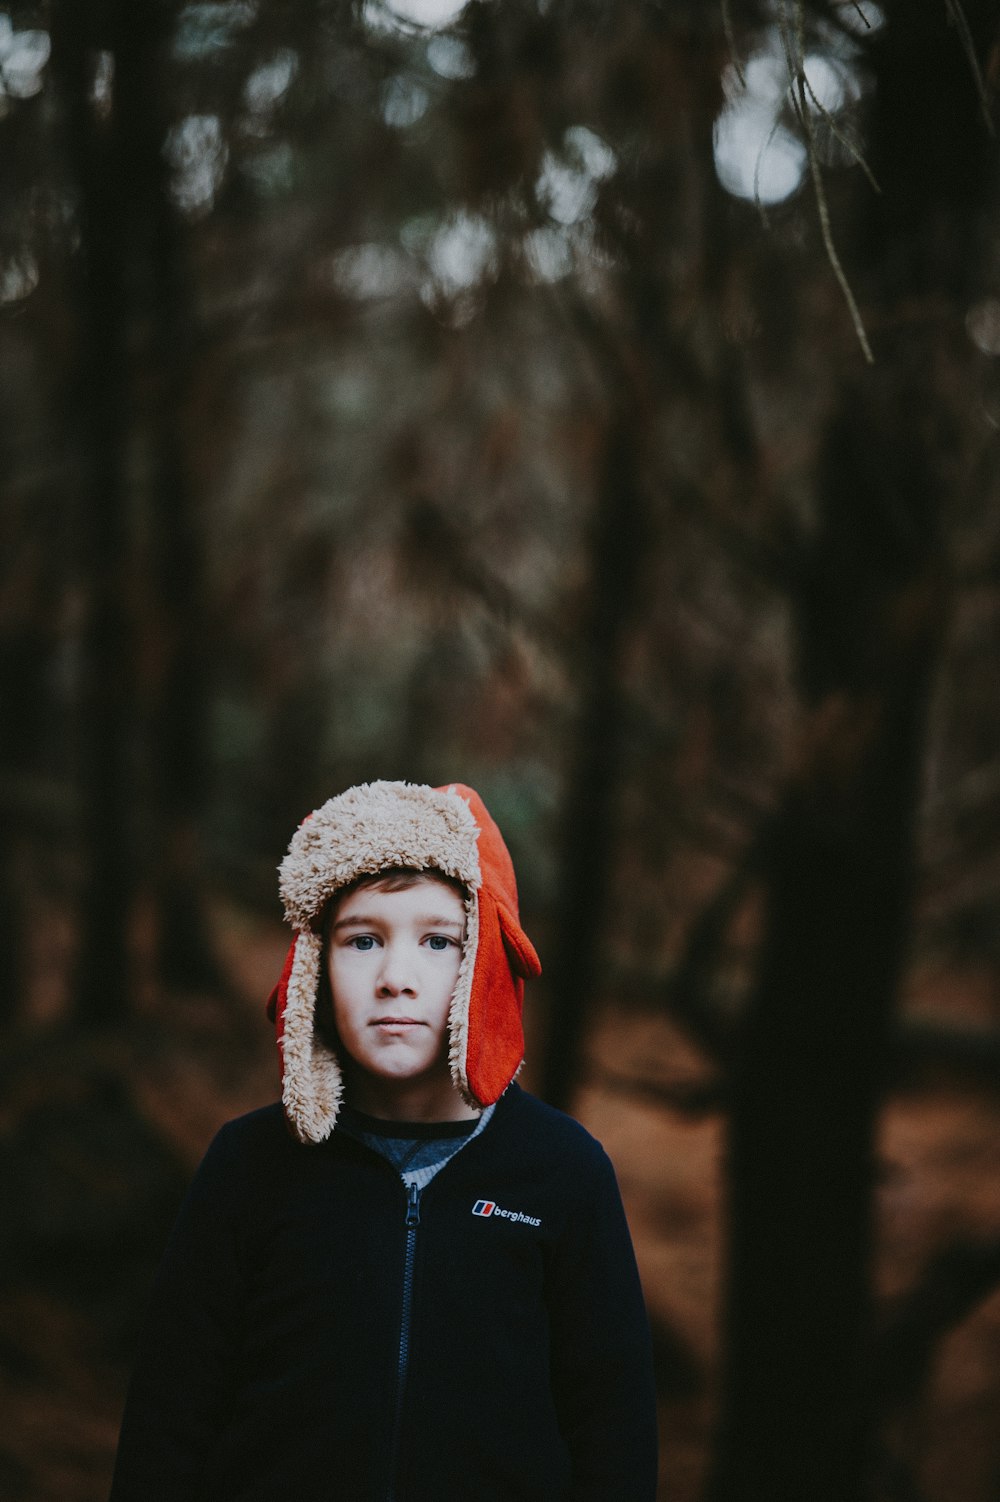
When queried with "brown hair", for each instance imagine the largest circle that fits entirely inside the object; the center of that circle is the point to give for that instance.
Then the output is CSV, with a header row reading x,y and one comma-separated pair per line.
x,y
395,879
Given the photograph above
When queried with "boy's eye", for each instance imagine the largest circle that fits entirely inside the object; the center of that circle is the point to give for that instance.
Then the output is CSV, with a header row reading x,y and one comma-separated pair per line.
x,y
440,941
361,941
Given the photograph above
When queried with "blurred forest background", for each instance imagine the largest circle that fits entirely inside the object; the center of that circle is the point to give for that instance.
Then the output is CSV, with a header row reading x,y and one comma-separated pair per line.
x,y
597,403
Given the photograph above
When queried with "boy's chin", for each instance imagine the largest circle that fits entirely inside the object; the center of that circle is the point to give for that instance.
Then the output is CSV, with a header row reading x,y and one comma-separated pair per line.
x,y
399,1066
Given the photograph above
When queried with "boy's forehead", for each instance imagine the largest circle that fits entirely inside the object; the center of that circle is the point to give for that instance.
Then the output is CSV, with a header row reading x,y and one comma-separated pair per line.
x,y
430,892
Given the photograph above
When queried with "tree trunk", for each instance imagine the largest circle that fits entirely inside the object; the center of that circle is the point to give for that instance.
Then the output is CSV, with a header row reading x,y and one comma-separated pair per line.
x,y
798,1407
99,160
25,650
132,289
179,722
618,542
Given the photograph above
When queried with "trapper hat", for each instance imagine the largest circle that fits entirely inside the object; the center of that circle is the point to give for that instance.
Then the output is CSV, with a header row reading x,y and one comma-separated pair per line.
x,y
372,828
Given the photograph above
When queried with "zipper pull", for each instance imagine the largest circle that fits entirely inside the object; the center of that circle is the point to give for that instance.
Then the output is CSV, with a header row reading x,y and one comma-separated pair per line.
x,y
413,1205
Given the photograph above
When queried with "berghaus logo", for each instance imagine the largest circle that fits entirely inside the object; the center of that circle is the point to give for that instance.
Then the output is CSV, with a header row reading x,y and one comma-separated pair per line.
x,y
490,1207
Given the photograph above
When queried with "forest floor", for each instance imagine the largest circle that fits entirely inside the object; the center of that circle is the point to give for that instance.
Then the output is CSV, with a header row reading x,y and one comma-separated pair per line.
x,y
99,1136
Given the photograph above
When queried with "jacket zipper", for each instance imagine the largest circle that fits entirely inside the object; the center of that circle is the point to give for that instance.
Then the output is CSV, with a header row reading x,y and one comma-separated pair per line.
x,y
412,1222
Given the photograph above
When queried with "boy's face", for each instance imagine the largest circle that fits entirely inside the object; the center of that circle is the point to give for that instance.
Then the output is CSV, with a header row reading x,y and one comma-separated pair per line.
x,y
393,959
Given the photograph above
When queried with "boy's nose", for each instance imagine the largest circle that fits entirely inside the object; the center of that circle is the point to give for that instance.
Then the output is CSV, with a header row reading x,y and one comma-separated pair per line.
x,y
396,976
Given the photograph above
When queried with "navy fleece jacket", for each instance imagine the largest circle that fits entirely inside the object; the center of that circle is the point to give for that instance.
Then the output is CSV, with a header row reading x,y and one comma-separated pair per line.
x,y
316,1333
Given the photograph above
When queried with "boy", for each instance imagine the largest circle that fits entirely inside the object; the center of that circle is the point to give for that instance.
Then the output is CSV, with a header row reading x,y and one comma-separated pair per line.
x,y
411,1282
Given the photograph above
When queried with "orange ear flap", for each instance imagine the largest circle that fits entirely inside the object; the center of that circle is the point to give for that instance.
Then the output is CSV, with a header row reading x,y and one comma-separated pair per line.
x,y
495,1040
521,952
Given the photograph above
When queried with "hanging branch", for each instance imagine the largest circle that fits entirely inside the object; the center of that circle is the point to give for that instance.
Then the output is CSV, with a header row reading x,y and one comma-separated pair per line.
x,y
756,173
841,135
730,35
957,17
795,62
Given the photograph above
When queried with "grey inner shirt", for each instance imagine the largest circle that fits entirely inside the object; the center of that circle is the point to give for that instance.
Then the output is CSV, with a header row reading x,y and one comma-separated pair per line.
x,y
417,1149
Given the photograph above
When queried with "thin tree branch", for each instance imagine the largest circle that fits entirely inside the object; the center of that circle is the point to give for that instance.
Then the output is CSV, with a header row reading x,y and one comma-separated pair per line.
x,y
956,15
730,35
796,70
841,135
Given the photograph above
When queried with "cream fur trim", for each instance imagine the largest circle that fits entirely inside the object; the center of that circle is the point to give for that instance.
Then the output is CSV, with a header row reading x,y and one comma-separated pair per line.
x,y
368,828
312,1084
458,1012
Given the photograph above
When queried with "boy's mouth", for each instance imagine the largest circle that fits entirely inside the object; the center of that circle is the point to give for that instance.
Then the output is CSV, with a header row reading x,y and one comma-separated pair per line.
x,y
396,1022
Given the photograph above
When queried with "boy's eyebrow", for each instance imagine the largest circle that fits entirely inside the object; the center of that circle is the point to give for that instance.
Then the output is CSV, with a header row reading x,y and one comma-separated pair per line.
x,y
363,920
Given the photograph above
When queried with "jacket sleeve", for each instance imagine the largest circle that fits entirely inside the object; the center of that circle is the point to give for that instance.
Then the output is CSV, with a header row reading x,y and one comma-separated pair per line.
x,y
183,1380
602,1368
